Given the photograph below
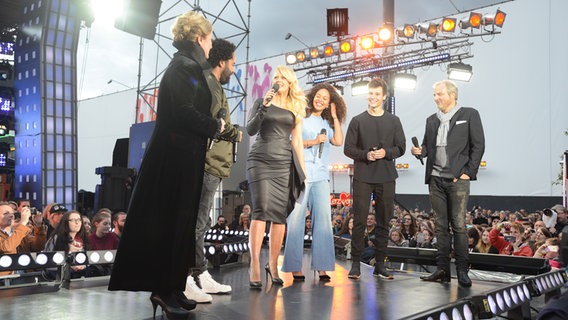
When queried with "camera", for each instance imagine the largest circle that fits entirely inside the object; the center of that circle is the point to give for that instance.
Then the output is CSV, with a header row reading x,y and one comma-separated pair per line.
x,y
33,211
338,221
510,239
547,212
17,215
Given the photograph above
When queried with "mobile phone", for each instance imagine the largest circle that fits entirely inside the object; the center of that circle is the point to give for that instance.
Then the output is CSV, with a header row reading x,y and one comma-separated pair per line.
x,y
510,239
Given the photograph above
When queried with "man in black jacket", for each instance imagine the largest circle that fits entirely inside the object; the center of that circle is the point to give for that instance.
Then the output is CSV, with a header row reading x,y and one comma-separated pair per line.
x,y
454,144
374,139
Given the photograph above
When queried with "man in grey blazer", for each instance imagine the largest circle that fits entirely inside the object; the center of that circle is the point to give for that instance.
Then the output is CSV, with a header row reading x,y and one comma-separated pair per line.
x,y
453,144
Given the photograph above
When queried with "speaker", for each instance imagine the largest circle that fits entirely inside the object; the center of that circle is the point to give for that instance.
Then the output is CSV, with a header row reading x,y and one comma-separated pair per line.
x,y
139,17
120,153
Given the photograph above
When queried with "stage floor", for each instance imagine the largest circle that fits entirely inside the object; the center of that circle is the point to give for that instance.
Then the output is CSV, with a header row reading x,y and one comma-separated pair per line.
x,y
341,298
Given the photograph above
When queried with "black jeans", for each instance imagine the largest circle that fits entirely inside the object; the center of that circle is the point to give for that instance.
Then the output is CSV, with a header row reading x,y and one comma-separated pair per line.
x,y
449,201
383,194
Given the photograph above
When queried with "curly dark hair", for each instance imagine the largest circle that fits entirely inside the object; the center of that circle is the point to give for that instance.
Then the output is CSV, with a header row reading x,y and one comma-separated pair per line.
x,y
222,50
334,97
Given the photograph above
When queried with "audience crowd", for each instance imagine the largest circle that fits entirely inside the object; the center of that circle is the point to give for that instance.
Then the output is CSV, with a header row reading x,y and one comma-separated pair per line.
x,y
519,233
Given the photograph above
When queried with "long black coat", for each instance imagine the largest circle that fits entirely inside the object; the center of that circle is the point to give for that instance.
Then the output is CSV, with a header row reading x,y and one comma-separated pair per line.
x,y
157,247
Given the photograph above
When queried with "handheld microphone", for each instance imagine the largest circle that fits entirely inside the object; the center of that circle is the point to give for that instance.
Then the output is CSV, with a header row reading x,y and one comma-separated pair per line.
x,y
235,146
221,115
415,143
275,88
323,131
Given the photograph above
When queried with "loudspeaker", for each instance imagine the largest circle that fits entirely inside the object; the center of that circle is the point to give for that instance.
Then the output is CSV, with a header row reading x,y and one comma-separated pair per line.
x,y
140,17
120,153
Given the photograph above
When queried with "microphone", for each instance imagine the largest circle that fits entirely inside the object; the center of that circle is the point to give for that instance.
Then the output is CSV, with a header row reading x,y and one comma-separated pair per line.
x,y
221,115
415,143
275,88
323,131
235,147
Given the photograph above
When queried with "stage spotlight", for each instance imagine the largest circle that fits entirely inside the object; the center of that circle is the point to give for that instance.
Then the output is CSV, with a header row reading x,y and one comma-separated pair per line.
x,y
429,30
405,81
385,33
459,71
546,283
367,43
448,25
211,250
498,19
315,53
406,32
291,58
300,56
346,46
474,21
329,50
359,88
513,299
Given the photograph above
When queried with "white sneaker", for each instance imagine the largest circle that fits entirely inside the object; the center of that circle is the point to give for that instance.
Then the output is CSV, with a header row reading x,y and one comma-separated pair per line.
x,y
209,285
193,292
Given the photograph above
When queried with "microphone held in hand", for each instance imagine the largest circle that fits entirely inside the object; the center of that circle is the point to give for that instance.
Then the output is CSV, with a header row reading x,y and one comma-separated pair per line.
x,y
220,115
235,147
415,143
275,88
323,131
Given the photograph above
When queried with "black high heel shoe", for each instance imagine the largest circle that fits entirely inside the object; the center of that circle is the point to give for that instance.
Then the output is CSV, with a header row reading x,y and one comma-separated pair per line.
x,y
324,277
299,277
184,302
255,284
274,280
169,306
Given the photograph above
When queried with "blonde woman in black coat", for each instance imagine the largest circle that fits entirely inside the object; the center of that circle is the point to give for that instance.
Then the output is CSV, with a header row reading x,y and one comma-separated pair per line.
x,y
157,247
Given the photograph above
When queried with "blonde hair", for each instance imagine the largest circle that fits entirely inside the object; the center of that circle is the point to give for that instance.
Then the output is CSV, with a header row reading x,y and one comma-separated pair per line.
x,y
191,25
296,101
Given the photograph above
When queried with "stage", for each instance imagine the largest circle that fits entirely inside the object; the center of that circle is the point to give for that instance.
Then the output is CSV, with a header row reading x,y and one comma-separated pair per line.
x,y
405,297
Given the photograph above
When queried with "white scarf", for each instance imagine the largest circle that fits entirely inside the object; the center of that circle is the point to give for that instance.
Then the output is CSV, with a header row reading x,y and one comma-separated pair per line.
x,y
442,138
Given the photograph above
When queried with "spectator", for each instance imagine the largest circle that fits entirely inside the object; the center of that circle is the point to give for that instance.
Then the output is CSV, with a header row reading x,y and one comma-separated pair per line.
x,y
102,238
337,223
472,238
53,213
549,217
408,229
549,250
484,244
69,236
370,239
516,244
118,220
86,224
347,229
308,227
236,220
243,222
561,221
396,239
16,237
427,238
221,224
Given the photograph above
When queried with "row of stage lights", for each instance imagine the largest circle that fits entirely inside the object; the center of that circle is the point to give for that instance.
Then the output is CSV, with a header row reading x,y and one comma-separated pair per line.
x,y
508,300
404,35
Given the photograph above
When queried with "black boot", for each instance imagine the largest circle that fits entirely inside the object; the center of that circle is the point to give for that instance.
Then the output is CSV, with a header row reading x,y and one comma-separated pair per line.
x,y
355,272
440,274
463,278
382,272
